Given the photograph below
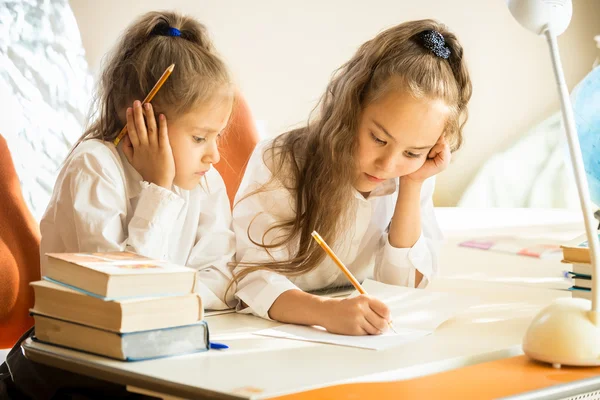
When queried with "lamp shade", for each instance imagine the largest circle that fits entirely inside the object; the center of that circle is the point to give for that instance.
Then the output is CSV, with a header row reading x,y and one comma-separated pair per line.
x,y
538,15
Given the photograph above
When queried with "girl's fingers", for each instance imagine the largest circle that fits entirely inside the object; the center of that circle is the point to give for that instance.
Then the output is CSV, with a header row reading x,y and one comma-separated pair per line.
x,y
163,132
151,125
128,149
446,155
434,152
131,131
140,124
442,158
369,328
440,147
376,321
379,308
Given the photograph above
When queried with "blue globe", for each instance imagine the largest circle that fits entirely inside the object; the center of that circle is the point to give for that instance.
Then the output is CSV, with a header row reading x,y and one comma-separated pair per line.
x,y
586,107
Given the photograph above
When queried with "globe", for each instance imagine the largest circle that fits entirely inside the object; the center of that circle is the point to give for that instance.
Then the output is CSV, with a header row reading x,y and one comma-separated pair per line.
x,y
586,108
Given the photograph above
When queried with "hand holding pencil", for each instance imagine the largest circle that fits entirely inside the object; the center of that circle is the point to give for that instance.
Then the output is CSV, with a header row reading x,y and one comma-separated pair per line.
x,y
145,140
163,78
147,146
356,314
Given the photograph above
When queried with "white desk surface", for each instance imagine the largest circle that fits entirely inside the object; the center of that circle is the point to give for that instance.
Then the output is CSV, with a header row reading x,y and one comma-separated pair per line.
x,y
260,367
555,226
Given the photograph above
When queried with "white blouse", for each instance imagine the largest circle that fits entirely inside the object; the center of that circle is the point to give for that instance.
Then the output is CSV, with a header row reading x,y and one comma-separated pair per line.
x,y
101,203
364,249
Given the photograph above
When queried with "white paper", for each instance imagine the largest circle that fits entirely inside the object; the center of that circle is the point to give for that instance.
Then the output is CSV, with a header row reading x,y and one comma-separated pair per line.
x,y
320,335
415,313
418,309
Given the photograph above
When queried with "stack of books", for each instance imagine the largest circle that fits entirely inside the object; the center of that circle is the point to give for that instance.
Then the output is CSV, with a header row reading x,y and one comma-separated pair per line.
x,y
577,253
119,305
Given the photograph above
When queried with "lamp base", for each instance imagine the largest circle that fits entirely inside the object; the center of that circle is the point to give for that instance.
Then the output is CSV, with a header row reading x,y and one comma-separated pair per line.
x,y
564,334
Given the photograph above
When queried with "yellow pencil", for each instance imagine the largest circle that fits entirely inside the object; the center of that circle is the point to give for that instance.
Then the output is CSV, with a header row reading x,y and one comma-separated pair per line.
x,y
148,98
345,270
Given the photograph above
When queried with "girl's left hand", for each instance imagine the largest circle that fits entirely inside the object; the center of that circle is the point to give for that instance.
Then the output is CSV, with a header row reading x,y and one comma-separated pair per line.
x,y
438,159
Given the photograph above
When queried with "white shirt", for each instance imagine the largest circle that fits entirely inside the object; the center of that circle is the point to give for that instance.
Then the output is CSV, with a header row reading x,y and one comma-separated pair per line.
x,y
101,203
364,248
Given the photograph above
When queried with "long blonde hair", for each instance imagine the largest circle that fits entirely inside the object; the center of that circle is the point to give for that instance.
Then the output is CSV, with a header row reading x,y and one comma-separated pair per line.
x,y
144,51
316,162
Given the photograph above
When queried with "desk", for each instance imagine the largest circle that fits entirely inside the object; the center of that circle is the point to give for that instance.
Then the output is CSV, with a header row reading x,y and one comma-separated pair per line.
x,y
261,367
555,226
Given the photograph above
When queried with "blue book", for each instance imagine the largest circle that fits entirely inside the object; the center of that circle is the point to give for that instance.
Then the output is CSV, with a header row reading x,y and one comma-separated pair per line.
x,y
131,346
576,275
579,292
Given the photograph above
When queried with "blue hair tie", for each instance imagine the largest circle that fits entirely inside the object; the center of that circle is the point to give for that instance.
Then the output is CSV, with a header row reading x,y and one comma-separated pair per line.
x,y
174,32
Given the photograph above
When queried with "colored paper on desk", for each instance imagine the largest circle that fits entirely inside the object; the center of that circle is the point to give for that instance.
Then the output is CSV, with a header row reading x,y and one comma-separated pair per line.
x,y
415,313
515,245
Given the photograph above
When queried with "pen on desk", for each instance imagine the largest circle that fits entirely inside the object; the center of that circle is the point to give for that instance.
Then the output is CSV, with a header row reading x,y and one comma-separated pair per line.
x,y
345,270
218,346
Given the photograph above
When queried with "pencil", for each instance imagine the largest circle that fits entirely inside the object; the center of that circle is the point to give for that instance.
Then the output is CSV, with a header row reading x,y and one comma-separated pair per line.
x,y
149,97
345,270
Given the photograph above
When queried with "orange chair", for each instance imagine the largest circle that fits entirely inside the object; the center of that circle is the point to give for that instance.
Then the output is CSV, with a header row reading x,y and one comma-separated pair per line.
x,y
239,140
19,254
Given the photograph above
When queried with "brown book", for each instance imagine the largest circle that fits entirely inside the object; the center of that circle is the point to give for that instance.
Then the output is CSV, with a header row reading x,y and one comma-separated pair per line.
x,y
119,275
132,346
130,315
577,251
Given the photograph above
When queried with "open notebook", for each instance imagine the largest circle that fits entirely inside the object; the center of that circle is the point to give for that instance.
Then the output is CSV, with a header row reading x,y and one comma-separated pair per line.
x,y
415,313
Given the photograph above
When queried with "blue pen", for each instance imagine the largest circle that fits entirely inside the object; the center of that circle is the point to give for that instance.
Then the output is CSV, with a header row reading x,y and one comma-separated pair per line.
x,y
218,346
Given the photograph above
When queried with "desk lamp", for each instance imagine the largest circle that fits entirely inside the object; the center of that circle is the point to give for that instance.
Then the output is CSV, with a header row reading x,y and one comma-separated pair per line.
x,y
567,331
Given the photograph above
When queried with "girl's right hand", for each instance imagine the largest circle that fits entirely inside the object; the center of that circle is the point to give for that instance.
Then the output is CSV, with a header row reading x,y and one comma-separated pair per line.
x,y
360,315
147,147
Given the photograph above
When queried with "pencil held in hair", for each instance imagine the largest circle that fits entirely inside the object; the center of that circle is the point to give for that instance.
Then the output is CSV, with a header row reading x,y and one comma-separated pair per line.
x,y
163,78
345,270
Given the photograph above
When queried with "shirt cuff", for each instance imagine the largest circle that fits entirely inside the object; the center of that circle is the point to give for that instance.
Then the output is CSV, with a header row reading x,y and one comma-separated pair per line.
x,y
260,295
210,301
158,205
212,286
414,258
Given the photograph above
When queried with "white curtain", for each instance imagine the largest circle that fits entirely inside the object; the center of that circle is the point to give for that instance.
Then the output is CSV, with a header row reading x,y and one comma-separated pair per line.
x,y
45,91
